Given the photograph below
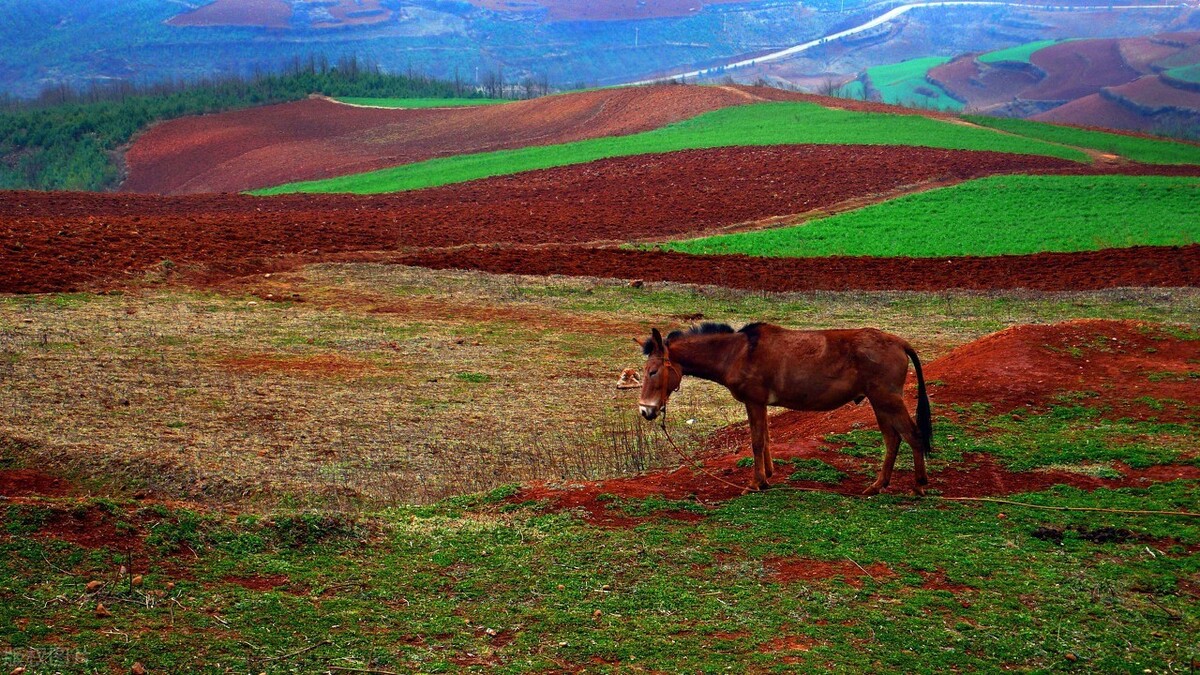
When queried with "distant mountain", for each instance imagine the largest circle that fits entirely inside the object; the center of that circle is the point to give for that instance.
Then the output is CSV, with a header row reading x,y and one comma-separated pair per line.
x,y
1148,84
565,42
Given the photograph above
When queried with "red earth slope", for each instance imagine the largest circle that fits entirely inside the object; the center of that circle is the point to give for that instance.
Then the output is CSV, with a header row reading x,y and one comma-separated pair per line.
x,y
317,138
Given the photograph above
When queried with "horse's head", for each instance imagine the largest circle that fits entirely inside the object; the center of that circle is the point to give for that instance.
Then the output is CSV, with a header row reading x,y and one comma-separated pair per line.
x,y
660,377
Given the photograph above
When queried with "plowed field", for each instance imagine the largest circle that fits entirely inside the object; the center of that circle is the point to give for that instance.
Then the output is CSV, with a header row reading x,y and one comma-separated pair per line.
x,y
317,138
62,241
1110,268
1075,69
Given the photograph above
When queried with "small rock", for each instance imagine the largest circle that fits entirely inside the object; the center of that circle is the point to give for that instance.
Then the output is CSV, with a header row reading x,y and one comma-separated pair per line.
x,y
596,614
170,585
19,670
137,668
93,586
1070,656
637,283
137,580
102,611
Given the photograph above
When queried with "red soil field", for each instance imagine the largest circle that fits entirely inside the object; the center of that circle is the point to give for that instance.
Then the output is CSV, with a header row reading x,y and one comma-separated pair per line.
x,y
982,85
1110,268
1078,68
61,241
1097,111
1141,54
262,13
1021,368
311,139
271,145
1151,93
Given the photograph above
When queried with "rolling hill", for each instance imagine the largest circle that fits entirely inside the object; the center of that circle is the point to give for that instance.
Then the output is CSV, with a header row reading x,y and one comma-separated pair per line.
x,y
1140,84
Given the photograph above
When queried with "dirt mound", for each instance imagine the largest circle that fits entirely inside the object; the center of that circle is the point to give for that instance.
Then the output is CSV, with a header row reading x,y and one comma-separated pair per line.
x,y
1018,367
62,241
318,138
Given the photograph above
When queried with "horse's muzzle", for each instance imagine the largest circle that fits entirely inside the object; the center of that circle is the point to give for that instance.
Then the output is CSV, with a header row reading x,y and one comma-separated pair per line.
x,y
649,411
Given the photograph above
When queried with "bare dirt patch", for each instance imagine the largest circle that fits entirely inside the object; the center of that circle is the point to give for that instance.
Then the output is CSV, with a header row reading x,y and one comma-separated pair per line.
x,y
30,483
259,13
791,569
316,365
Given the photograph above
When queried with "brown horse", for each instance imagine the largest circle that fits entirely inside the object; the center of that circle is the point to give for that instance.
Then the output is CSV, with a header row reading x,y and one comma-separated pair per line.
x,y
764,365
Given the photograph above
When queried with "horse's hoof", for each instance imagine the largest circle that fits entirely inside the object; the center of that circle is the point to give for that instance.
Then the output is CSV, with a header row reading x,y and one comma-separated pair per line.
x,y
919,491
871,491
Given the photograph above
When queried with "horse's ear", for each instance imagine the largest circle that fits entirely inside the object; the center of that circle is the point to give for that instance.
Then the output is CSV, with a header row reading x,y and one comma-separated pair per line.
x,y
657,337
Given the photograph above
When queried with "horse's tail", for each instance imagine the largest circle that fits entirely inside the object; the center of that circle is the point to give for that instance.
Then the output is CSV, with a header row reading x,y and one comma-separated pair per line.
x,y
924,416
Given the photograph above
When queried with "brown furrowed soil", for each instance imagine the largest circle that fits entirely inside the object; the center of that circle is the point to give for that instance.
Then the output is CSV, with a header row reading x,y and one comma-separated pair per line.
x,y
1109,268
1022,368
71,241
318,138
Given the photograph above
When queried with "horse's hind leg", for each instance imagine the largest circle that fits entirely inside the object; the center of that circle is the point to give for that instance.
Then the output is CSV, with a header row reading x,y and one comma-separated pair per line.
x,y
893,417
908,430
891,442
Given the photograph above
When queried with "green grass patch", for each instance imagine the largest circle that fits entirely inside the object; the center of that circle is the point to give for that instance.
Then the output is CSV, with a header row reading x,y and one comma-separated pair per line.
x,y
1145,150
759,124
814,470
419,102
488,591
1186,73
1019,53
1073,438
998,215
904,83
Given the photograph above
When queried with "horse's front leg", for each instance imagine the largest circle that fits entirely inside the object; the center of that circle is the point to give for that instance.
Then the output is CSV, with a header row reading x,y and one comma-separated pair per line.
x,y
757,414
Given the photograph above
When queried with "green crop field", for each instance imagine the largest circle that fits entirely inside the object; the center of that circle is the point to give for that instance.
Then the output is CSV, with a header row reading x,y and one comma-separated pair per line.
x,y
419,102
905,84
1019,53
992,216
1138,149
760,124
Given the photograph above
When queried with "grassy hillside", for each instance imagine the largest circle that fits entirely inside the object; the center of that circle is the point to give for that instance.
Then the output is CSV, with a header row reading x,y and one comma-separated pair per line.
x,y
992,216
759,124
905,84
1150,151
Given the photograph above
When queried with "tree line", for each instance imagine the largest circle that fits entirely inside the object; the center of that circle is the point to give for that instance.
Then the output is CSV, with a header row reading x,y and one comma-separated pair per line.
x,y
72,139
